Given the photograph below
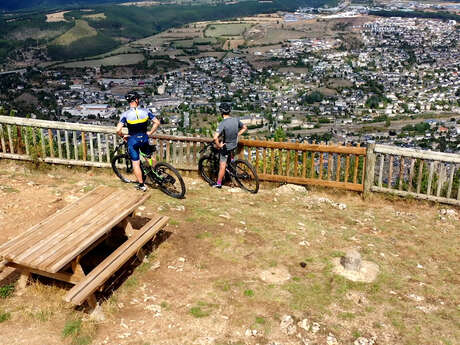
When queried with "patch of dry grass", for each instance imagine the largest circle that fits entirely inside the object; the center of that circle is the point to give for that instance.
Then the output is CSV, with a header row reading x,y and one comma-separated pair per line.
x,y
227,239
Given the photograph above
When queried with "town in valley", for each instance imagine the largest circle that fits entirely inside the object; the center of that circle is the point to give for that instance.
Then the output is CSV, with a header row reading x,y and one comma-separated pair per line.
x,y
344,74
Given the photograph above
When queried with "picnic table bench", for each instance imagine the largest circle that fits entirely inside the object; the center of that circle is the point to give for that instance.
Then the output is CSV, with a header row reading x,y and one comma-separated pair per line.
x,y
55,246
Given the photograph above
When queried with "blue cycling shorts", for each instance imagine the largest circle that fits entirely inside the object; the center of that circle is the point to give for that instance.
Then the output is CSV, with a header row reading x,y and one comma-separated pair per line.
x,y
138,142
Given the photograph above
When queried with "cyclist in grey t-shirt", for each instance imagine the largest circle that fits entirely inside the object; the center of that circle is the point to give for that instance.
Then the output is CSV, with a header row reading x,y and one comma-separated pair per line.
x,y
229,130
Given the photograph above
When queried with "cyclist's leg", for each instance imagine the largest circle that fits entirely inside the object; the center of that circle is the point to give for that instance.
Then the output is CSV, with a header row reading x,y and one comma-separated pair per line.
x,y
223,157
133,147
149,151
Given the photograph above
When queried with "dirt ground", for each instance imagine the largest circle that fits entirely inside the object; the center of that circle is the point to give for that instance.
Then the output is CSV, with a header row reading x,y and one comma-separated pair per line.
x,y
56,17
236,268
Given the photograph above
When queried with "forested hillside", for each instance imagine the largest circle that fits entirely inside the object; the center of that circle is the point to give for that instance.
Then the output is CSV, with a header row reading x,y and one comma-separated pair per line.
x,y
13,5
120,23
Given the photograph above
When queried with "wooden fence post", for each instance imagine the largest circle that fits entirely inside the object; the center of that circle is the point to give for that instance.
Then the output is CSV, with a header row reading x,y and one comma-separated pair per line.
x,y
370,166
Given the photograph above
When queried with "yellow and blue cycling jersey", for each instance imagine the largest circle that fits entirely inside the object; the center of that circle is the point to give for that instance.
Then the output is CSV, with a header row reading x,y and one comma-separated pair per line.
x,y
137,120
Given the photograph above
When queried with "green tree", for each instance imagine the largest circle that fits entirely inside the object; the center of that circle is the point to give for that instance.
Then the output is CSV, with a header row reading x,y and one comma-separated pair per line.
x,y
280,134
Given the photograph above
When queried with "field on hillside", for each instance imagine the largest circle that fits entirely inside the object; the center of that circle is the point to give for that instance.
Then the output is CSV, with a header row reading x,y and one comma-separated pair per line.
x,y
235,268
32,33
81,30
56,17
117,60
96,16
274,36
228,29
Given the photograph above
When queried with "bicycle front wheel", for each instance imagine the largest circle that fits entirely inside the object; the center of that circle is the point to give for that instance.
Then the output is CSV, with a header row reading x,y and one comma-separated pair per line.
x,y
246,176
123,167
169,180
208,169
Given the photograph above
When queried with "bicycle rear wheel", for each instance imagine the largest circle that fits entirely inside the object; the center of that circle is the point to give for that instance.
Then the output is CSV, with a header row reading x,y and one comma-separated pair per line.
x,y
208,169
123,167
246,176
169,180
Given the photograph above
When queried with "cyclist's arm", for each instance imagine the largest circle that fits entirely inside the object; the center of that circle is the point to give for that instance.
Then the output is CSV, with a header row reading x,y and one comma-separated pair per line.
x,y
120,129
156,124
217,139
242,130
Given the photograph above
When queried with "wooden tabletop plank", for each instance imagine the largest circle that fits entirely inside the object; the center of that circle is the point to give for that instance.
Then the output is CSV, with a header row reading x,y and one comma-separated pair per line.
x,y
40,245
87,242
59,218
57,240
95,221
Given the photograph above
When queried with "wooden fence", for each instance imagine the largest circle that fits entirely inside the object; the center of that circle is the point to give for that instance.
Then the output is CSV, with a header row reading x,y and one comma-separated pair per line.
x,y
323,165
377,168
88,145
83,145
414,173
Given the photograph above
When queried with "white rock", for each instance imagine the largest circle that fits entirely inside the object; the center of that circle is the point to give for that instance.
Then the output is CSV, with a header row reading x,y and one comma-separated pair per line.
x,y
97,314
415,298
291,330
304,324
315,327
290,188
331,340
155,265
155,308
226,216
304,243
306,341
181,259
365,341
123,324
286,321
450,213
426,309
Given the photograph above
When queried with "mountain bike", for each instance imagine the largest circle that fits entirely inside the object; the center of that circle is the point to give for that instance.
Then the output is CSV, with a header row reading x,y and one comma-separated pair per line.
x,y
163,175
238,170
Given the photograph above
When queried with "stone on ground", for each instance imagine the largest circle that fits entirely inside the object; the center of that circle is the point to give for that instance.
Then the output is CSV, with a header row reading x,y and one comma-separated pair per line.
x,y
353,268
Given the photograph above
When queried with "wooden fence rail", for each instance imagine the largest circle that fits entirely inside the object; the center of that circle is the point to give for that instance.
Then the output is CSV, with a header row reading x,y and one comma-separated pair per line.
x,y
415,173
89,145
378,168
324,165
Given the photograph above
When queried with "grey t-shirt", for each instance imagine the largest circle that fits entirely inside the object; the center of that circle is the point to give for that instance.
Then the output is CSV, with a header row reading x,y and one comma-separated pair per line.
x,y
229,129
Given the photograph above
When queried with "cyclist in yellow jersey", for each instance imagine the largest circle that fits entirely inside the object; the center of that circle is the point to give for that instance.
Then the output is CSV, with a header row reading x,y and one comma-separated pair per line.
x,y
137,120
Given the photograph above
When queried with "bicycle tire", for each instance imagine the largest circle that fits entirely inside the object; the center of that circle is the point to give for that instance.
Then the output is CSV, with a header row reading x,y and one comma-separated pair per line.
x,y
122,166
207,169
172,183
246,176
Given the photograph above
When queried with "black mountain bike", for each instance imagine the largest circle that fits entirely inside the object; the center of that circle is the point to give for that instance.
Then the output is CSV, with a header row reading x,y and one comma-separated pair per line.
x,y
164,175
238,170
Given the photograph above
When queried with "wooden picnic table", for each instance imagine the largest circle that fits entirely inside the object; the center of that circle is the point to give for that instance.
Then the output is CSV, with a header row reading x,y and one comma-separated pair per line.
x,y
55,246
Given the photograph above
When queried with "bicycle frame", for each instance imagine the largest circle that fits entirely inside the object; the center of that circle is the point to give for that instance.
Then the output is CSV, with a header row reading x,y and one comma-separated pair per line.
x,y
229,169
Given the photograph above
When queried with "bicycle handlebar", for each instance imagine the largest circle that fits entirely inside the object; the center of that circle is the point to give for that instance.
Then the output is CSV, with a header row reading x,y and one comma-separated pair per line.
x,y
206,146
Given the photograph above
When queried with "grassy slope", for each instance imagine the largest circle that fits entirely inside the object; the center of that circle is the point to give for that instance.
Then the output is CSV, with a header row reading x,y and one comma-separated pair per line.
x,y
227,239
128,22
81,30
